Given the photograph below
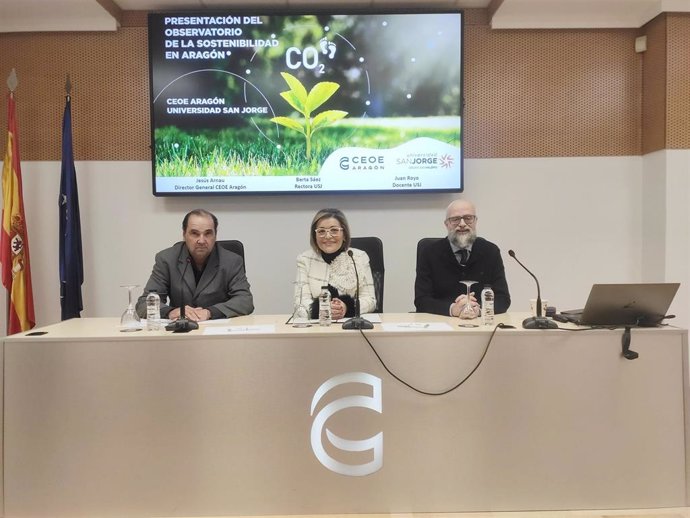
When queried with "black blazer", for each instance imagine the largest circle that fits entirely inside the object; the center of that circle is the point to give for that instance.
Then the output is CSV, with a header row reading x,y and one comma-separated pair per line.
x,y
437,284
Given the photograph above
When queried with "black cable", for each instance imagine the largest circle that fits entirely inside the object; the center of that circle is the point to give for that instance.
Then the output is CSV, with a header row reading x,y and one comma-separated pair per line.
x,y
420,391
609,328
486,350
627,353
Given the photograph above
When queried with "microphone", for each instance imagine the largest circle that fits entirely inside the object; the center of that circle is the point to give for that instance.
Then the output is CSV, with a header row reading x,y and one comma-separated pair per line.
x,y
356,322
182,324
538,322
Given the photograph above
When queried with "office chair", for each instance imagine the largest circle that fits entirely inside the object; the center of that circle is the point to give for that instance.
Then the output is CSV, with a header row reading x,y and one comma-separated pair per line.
x,y
234,245
423,243
374,249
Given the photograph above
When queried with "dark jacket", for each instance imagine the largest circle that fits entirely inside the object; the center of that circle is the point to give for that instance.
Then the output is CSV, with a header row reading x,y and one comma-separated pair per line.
x,y
223,288
438,276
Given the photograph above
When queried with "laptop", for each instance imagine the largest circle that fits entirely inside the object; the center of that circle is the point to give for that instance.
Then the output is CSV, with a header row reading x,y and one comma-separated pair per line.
x,y
643,304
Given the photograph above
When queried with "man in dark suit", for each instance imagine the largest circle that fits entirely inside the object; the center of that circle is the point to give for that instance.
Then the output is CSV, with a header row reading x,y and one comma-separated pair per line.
x,y
461,257
214,283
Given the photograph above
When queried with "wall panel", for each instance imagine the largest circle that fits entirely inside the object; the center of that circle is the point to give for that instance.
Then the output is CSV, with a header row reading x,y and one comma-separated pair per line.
x,y
545,93
654,86
678,107
109,75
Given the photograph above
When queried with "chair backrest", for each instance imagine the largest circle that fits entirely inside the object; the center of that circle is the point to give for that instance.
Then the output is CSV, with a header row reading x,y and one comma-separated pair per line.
x,y
374,249
234,245
423,243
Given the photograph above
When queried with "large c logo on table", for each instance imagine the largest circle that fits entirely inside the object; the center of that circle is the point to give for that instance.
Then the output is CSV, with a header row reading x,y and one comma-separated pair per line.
x,y
375,443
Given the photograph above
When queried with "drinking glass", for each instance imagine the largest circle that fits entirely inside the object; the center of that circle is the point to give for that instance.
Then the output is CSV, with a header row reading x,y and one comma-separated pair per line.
x,y
300,315
130,320
467,311
300,318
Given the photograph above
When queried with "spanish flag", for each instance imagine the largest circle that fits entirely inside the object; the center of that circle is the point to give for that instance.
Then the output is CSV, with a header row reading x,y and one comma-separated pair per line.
x,y
14,242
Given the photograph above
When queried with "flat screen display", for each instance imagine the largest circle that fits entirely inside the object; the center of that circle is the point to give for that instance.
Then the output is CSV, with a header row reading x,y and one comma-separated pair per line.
x,y
326,102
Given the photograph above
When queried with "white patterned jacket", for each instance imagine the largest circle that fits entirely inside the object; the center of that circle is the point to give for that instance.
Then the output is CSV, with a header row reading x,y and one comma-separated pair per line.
x,y
313,272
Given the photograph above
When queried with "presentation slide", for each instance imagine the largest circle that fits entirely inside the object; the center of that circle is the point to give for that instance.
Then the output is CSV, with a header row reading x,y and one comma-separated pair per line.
x,y
296,103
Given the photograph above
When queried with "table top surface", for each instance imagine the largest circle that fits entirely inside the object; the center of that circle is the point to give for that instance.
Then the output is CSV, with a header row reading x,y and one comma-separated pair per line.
x,y
272,325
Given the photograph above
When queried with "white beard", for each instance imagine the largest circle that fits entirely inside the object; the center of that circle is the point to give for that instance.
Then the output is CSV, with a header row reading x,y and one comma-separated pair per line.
x,y
462,240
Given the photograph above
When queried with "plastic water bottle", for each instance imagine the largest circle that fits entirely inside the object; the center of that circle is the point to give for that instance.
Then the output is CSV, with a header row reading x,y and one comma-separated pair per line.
x,y
153,311
325,307
488,306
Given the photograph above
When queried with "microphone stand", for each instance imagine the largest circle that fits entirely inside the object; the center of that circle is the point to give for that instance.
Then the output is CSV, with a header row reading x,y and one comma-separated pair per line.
x,y
538,322
357,322
182,324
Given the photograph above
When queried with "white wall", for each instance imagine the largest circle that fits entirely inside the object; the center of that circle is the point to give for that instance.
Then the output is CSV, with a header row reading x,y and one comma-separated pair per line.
x,y
676,252
573,221
654,217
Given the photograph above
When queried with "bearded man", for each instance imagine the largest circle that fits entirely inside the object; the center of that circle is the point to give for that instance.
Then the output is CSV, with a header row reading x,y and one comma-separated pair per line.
x,y
443,264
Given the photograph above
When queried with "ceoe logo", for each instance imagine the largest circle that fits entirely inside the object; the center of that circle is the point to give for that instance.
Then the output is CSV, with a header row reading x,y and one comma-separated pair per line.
x,y
375,443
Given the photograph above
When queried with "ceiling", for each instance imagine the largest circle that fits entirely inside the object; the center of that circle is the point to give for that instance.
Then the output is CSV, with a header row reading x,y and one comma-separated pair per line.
x,y
103,15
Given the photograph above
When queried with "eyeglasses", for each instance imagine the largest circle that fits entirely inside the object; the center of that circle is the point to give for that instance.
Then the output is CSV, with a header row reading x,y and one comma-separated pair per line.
x,y
333,231
468,219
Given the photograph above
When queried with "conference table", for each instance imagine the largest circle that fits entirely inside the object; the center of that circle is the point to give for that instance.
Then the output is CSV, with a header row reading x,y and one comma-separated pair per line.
x,y
251,416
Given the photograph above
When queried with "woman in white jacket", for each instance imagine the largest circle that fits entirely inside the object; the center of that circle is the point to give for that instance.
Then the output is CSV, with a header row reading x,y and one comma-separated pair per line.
x,y
327,263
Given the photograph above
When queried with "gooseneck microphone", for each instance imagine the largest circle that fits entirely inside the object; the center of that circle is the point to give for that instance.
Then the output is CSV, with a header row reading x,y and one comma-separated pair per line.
x,y
356,322
182,324
538,322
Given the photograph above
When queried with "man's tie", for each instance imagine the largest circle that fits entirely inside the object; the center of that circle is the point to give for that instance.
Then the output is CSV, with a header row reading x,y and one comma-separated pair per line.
x,y
462,255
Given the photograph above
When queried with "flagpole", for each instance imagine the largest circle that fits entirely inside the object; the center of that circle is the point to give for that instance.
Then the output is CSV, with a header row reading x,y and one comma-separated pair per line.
x,y
12,84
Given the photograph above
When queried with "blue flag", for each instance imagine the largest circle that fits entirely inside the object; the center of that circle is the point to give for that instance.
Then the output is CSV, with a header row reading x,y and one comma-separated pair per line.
x,y
71,261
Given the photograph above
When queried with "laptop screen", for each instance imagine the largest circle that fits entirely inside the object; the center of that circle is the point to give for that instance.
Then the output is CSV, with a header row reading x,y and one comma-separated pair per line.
x,y
628,304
